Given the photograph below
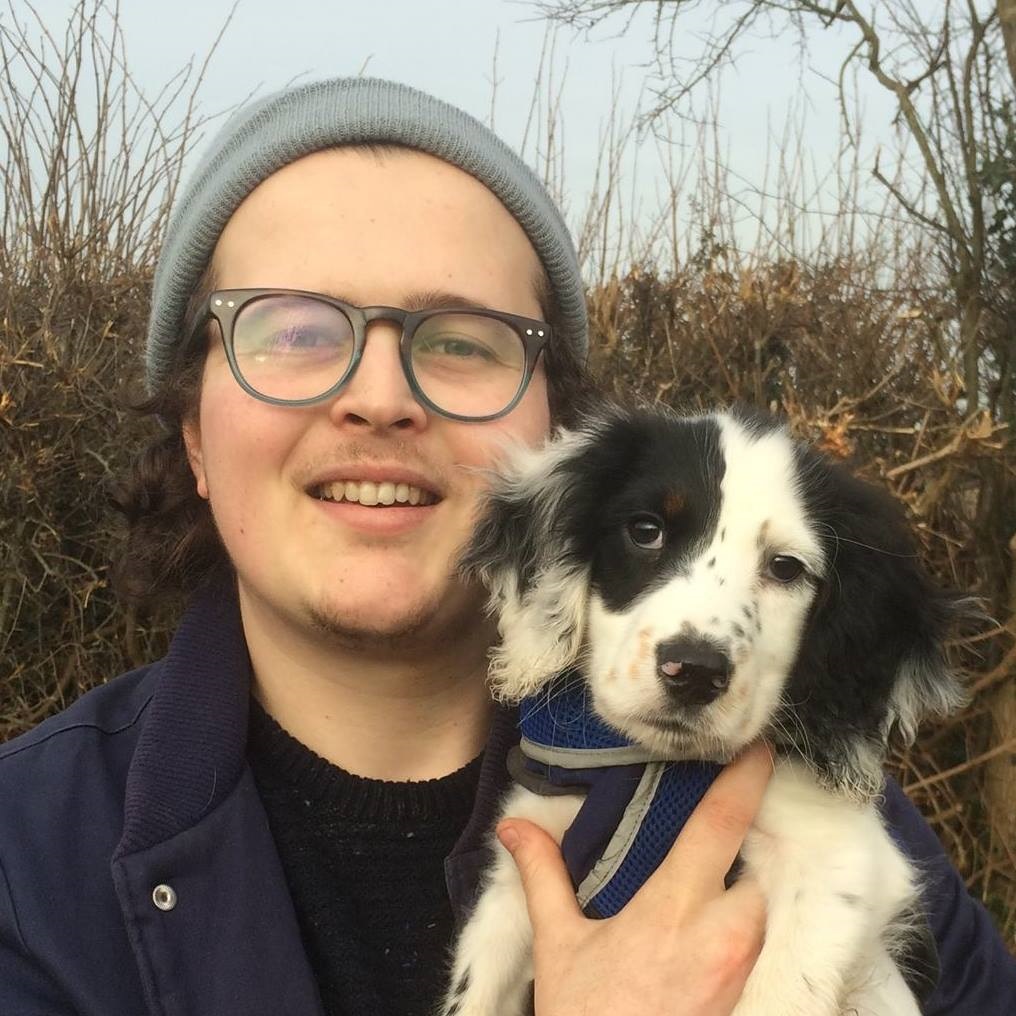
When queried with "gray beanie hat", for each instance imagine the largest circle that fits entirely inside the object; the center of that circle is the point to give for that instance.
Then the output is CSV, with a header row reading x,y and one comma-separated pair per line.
x,y
269,134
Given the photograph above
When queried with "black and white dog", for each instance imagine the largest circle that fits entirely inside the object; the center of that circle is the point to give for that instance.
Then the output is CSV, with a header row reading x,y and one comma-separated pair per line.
x,y
715,582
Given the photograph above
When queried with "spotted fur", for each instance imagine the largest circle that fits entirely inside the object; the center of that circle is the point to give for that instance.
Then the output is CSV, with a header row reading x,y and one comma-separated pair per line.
x,y
827,665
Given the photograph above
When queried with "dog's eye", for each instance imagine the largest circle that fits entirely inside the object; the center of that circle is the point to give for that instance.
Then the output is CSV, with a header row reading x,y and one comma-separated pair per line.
x,y
646,531
785,568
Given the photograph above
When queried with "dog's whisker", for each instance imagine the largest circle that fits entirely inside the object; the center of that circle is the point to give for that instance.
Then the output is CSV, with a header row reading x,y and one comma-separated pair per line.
x,y
779,723
840,538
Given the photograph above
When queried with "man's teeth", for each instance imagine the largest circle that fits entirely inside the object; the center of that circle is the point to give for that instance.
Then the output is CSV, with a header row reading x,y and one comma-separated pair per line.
x,y
367,493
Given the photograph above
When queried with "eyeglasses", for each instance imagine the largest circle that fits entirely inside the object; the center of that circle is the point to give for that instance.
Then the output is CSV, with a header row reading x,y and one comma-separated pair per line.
x,y
294,348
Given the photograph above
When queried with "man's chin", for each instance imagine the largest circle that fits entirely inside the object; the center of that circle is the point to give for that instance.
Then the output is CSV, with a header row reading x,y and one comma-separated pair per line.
x,y
390,629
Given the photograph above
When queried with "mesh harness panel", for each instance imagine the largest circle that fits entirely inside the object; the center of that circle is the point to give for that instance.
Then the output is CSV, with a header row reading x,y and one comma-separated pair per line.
x,y
635,803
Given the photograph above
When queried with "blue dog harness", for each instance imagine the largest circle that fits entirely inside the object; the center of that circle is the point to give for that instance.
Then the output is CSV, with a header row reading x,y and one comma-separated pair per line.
x,y
635,803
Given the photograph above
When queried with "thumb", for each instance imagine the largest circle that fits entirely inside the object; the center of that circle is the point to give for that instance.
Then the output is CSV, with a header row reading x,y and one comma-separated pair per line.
x,y
550,897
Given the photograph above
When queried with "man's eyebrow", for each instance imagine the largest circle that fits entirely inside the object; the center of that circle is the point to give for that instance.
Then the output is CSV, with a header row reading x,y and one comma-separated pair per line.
x,y
427,299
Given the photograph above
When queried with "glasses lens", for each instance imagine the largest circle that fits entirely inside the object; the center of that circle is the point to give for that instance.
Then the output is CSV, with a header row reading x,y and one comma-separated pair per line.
x,y
468,364
292,347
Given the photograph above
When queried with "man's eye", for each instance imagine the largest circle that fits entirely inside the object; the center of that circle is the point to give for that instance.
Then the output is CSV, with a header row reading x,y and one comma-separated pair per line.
x,y
302,338
289,340
453,347
785,568
646,532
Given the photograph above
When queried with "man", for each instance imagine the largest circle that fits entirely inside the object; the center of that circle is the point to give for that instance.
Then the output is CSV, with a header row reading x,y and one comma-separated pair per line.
x,y
362,296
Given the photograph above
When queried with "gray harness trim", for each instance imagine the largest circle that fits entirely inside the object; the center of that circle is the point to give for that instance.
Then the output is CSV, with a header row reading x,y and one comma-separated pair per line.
x,y
589,758
621,841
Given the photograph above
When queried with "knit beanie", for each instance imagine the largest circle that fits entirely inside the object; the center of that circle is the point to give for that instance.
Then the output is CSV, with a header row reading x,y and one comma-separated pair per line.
x,y
275,131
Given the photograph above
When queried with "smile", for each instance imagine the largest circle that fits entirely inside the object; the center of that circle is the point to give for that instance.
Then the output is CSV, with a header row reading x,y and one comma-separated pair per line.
x,y
368,493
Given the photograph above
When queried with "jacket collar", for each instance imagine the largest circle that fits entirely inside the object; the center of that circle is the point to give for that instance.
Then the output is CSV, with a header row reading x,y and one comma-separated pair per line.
x,y
191,752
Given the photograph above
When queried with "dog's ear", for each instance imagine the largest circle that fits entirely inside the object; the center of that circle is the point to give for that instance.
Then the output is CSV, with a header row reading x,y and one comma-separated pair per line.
x,y
522,552
871,660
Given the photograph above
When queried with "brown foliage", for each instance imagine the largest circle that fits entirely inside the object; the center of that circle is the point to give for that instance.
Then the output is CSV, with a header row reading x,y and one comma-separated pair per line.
x,y
63,359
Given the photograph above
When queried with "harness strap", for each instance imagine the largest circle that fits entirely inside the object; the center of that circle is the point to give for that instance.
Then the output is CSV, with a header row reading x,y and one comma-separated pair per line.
x,y
636,802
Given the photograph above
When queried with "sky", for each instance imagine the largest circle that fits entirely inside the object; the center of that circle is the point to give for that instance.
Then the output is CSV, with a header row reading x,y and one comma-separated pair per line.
x,y
448,47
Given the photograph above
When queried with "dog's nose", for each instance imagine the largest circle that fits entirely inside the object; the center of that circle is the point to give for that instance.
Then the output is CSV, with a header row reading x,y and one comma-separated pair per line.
x,y
693,671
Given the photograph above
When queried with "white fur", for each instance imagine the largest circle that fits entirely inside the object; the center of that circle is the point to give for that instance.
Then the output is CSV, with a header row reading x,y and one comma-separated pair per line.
x,y
494,951
541,632
541,629
834,881
917,693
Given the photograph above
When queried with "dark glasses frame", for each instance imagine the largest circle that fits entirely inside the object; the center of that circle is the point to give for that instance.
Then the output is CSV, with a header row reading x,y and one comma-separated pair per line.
x,y
224,305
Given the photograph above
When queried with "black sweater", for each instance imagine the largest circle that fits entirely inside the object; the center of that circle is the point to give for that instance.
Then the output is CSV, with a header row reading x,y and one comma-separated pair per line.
x,y
364,860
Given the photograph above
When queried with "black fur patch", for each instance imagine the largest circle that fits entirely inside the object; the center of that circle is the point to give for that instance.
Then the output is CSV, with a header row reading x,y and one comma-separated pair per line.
x,y
875,611
641,463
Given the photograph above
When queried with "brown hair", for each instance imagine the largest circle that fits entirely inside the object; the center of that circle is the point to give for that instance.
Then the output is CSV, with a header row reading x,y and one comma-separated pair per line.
x,y
171,545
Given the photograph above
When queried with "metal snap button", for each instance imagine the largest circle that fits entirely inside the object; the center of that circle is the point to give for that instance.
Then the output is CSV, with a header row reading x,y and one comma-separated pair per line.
x,y
164,896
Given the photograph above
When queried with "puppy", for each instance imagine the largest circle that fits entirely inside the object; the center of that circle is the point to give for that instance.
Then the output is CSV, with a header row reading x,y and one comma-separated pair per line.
x,y
701,583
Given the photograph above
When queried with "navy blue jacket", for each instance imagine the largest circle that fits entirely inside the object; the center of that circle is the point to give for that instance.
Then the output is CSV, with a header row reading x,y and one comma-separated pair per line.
x,y
143,782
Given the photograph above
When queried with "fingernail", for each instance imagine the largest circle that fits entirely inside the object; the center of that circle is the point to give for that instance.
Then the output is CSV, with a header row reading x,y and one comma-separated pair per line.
x,y
509,837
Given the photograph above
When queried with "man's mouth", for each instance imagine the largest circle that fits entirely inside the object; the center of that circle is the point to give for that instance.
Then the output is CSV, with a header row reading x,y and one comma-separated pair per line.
x,y
369,493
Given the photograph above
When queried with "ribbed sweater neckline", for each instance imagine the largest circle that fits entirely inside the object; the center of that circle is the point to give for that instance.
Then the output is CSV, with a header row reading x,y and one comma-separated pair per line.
x,y
279,758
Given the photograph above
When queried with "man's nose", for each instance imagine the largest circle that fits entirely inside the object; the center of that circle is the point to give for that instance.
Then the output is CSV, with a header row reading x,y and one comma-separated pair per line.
x,y
694,670
378,394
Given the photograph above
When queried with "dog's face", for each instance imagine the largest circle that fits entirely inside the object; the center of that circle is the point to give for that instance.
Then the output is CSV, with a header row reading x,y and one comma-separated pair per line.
x,y
715,582
700,583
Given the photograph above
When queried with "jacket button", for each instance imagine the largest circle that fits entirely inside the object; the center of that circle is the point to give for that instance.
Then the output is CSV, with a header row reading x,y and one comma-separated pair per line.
x,y
164,897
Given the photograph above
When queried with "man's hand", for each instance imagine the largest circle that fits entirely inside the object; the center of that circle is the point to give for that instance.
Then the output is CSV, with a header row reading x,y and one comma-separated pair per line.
x,y
683,946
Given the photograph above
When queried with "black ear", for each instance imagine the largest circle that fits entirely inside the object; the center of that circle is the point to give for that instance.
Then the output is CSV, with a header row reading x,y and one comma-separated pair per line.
x,y
871,659
522,552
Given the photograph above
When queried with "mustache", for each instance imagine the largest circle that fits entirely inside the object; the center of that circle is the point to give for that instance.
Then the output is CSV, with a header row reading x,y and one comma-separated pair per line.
x,y
389,451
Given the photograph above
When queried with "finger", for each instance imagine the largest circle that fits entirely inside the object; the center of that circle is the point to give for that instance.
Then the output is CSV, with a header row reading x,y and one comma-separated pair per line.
x,y
550,897
712,836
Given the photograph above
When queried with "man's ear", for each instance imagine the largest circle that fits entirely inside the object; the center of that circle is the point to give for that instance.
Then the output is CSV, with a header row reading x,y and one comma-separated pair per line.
x,y
520,551
871,662
191,431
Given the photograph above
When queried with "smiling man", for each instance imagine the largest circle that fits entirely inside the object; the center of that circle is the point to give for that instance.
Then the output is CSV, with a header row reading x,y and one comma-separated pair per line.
x,y
363,295
353,616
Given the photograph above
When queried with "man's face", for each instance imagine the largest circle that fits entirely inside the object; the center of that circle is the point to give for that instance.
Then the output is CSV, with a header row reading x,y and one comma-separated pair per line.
x,y
393,230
